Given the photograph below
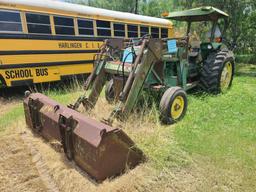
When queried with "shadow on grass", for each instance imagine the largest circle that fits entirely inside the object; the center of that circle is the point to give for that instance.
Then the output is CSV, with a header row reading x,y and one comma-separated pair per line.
x,y
246,70
64,86
244,74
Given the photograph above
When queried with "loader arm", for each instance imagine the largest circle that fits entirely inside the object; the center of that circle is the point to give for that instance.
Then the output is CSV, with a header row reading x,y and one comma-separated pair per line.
x,y
151,54
97,78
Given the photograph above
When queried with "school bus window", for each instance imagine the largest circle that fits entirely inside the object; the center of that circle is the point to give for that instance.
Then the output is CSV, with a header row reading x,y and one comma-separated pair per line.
x,y
119,30
64,25
132,31
10,21
85,27
164,33
38,23
155,32
103,28
144,30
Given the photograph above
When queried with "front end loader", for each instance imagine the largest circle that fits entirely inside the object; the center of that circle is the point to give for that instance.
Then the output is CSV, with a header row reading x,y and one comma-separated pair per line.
x,y
96,147
100,150
128,70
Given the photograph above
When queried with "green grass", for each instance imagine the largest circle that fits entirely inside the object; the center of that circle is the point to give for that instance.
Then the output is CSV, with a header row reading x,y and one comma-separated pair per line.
x,y
13,115
222,126
219,127
65,97
220,131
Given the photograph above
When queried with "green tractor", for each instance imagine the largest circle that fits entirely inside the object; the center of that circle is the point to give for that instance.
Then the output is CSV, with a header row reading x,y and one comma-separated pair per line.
x,y
213,57
169,67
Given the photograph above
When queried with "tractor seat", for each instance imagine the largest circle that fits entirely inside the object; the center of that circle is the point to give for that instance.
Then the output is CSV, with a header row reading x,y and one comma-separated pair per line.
x,y
193,53
195,49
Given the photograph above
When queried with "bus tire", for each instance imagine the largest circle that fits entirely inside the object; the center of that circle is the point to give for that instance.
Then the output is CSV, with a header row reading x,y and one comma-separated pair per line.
x,y
2,82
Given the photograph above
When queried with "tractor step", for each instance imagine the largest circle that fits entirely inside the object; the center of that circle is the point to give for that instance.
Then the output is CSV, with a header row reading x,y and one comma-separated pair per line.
x,y
98,149
192,85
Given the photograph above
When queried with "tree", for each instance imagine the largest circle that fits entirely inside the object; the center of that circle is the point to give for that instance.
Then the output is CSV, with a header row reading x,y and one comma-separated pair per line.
x,y
156,8
239,20
248,38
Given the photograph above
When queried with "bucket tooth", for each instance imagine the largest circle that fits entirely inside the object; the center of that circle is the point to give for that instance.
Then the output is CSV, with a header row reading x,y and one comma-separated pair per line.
x,y
100,150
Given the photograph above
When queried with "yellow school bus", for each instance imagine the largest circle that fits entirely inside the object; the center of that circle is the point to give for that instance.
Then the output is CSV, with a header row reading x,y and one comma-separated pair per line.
x,y
46,40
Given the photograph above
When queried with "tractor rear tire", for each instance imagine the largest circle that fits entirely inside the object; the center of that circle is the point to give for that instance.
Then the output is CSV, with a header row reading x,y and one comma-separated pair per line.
x,y
173,105
109,92
218,72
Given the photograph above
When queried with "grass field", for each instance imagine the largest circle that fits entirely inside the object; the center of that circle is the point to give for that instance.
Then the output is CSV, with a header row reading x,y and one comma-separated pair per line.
x,y
212,149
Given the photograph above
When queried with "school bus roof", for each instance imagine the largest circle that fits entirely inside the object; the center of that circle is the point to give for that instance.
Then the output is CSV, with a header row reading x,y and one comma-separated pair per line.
x,y
86,10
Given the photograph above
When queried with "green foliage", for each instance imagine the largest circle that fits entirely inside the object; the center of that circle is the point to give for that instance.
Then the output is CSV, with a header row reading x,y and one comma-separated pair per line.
x,y
242,28
156,8
248,37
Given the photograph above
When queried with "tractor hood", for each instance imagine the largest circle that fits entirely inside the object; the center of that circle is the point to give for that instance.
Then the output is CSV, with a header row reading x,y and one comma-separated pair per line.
x,y
197,14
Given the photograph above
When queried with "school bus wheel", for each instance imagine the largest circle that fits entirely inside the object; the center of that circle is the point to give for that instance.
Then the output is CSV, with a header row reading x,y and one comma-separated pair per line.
x,y
2,82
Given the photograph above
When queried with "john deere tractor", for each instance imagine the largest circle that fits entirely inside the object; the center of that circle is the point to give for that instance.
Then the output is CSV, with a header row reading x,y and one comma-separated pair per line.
x,y
200,58
130,70
212,54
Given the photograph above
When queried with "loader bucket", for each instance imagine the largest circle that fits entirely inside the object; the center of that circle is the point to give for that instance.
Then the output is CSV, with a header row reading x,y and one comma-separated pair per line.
x,y
98,149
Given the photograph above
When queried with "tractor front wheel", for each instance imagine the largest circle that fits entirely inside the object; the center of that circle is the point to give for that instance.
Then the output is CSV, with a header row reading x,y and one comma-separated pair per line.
x,y
109,91
173,105
217,72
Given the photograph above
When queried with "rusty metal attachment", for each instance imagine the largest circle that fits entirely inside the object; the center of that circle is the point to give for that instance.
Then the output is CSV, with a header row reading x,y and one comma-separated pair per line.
x,y
100,150
129,76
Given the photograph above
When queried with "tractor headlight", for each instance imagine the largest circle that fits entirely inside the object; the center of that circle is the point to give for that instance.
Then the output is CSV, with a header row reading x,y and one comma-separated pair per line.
x,y
209,47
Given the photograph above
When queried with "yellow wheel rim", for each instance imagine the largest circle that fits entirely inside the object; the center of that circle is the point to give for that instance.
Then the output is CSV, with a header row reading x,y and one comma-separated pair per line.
x,y
177,107
226,76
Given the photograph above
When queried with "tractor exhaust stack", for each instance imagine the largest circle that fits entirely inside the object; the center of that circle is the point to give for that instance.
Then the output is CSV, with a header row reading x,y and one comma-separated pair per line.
x,y
98,149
